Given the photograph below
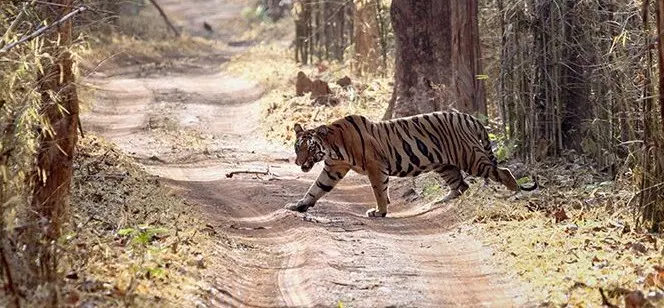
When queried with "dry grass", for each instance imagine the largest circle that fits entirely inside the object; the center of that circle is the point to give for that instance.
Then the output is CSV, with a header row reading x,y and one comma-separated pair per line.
x,y
132,241
574,237
271,66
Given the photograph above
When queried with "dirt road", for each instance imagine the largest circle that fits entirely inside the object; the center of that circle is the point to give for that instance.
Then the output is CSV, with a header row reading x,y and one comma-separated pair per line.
x,y
414,258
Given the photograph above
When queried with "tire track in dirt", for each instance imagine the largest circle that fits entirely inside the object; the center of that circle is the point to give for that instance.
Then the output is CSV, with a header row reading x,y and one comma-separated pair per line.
x,y
414,258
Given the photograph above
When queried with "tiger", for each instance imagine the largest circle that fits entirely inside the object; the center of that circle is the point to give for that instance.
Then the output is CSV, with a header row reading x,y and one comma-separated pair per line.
x,y
446,142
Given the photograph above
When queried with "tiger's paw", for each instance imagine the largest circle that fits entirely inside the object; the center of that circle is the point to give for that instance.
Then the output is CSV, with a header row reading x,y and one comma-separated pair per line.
x,y
376,213
299,206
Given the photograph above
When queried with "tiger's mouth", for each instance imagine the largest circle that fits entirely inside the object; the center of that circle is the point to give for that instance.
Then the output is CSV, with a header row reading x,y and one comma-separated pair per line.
x,y
306,167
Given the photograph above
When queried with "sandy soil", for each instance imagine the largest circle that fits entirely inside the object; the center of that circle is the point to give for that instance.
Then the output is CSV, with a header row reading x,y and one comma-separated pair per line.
x,y
191,125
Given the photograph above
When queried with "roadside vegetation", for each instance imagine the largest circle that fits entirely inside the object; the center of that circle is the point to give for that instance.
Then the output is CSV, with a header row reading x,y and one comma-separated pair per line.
x,y
128,240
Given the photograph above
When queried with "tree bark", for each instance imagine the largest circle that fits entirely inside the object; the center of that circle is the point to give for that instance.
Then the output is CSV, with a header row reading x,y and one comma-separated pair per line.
x,y
466,58
652,191
53,172
437,58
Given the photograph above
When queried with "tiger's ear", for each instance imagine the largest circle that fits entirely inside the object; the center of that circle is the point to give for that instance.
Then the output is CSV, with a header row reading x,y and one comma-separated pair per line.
x,y
322,130
298,128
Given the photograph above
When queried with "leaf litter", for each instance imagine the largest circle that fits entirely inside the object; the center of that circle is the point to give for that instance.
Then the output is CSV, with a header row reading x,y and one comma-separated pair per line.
x,y
575,242
132,241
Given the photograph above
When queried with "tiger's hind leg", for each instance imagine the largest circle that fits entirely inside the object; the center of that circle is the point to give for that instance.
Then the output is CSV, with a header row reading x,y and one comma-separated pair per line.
x,y
454,179
380,186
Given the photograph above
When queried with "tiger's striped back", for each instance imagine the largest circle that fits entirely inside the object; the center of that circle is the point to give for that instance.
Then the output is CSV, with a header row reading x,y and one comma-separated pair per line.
x,y
426,142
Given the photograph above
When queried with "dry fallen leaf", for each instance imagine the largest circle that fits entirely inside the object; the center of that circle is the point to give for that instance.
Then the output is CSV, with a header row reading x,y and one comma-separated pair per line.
x,y
655,279
638,247
560,215
72,297
635,299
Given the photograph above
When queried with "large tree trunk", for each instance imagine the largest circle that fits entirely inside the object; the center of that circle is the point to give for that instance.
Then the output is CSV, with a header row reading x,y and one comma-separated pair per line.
x,y
53,172
437,57
466,58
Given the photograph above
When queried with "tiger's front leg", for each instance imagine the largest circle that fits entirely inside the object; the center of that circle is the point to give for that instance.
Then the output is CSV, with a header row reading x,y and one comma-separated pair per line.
x,y
327,179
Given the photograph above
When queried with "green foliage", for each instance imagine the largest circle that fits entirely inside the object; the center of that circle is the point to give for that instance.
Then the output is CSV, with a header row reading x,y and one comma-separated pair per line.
x,y
504,147
431,187
142,236
256,14
524,180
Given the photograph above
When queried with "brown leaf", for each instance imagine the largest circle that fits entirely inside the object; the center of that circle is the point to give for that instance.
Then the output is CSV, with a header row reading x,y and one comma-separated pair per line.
x,y
72,297
638,247
560,215
635,299
344,82
655,279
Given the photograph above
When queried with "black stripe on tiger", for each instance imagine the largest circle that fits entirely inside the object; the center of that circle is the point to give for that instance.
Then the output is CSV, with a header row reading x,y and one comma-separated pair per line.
x,y
326,188
361,135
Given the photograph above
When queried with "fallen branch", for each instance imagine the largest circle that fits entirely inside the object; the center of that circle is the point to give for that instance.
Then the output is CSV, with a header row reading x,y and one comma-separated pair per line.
x,y
163,15
248,228
10,287
232,173
42,30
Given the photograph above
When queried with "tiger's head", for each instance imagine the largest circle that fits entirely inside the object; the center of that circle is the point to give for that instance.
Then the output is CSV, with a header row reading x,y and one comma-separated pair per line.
x,y
310,146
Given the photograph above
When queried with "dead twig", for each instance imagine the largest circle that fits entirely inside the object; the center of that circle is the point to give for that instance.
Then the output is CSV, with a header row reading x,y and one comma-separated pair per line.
x,y
232,173
80,126
11,288
42,30
605,300
163,15
248,228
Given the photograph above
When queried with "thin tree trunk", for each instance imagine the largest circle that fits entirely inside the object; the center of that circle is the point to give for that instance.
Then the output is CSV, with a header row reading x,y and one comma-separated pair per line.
x,y
652,192
165,17
367,59
53,172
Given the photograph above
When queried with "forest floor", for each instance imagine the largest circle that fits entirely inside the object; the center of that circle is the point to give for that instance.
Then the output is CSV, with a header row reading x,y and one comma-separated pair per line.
x,y
179,110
